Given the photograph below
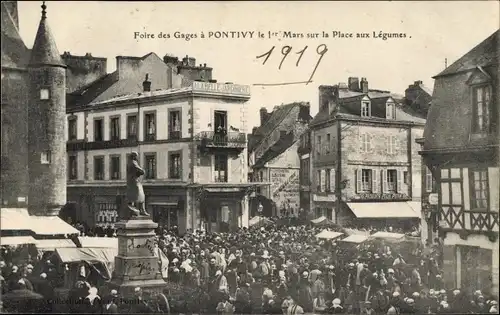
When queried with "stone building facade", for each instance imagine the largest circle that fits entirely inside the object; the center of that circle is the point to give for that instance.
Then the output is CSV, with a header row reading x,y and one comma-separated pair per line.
x,y
365,162
190,145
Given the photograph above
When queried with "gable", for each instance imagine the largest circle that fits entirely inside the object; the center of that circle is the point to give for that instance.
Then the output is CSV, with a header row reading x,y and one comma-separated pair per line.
x,y
289,158
478,76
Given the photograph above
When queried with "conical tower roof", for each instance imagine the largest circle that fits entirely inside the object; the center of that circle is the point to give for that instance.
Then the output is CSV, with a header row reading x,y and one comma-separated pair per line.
x,y
44,51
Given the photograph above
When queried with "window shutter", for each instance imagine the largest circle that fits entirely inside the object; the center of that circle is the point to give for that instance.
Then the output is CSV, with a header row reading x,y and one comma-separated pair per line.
x,y
369,139
384,181
332,180
323,180
211,127
399,188
362,142
394,144
375,184
388,144
358,180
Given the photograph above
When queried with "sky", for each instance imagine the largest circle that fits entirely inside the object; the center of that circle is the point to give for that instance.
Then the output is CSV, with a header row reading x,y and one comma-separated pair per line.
x,y
434,30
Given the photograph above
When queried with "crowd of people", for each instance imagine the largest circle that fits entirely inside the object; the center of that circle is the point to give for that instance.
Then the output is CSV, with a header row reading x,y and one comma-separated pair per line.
x,y
266,270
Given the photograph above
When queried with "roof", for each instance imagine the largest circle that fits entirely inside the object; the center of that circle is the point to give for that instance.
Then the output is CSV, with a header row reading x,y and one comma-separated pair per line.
x,y
275,118
277,149
142,95
484,54
350,100
123,84
15,54
44,51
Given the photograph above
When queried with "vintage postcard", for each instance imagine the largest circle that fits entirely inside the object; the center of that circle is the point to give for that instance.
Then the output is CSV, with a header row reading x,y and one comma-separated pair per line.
x,y
250,157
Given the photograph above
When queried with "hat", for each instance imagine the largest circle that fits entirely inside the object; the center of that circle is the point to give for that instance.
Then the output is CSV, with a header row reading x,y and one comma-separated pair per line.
x,y
14,268
438,276
442,291
416,294
114,292
390,270
351,265
43,275
456,292
305,274
252,254
265,255
282,253
336,301
432,292
29,266
395,294
368,302
218,273
410,301
137,289
21,281
478,292
331,267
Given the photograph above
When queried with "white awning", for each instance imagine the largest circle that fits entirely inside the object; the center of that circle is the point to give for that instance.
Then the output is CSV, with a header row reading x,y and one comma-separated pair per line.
x,y
355,238
17,240
328,234
98,242
15,219
50,245
416,206
319,220
51,225
387,235
382,210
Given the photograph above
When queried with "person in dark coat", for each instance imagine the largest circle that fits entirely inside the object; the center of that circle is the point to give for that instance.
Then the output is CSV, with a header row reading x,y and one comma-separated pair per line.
x,y
110,303
22,300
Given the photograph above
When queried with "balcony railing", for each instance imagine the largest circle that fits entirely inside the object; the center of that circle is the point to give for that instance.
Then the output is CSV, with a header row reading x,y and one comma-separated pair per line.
x,y
81,145
455,218
211,139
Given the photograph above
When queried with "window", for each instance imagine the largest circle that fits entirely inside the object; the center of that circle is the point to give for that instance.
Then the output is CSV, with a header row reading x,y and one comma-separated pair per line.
x,y
479,189
320,180
45,157
174,124
392,144
318,145
261,174
365,109
175,168
327,180
366,143
390,111
366,180
406,179
481,110
72,128
73,167
392,181
99,129
99,168
149,126
132,127
430,181
114,128
150,161
327,144
220,168
451,186
114,167
44,94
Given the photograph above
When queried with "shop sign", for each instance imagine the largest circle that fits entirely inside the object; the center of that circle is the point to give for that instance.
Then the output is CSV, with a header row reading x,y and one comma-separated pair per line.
x,y
327,198
372,196
433,199
221,88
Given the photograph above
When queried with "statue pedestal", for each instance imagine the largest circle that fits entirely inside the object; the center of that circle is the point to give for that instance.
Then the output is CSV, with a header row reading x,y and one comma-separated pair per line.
x,y
136,264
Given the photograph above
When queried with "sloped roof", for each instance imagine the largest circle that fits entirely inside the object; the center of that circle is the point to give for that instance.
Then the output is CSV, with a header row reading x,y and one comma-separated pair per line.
x,y
15,54
484,54
277,149
115,84
378,98
44,51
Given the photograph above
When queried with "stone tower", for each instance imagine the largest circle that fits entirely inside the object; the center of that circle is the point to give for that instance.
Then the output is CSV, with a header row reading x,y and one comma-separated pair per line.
x,y
46,124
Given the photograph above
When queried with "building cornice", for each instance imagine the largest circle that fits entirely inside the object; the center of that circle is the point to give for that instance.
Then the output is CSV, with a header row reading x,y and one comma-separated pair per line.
x,y
366,121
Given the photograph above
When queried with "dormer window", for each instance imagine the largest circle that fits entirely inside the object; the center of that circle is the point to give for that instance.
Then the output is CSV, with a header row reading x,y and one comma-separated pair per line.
x,y
481,98
44,94
390,111
365,109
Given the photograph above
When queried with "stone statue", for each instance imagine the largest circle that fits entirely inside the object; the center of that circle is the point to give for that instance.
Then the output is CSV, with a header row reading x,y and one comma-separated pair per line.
x,y
135,193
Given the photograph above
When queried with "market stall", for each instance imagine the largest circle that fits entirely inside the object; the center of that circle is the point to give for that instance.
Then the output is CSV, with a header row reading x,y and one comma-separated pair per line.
x,y
322,221
259,221
98,242
329,235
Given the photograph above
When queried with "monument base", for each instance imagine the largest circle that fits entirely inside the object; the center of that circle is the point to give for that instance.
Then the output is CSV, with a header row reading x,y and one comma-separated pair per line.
x,y
137,264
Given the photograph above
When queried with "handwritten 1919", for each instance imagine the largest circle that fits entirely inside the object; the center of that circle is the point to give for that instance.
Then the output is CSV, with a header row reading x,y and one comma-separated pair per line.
x,y
285,51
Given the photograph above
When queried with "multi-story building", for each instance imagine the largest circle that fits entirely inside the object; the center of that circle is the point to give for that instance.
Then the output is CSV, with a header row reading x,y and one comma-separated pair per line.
x,y
460,147
365,162
273,156
304,152
191,143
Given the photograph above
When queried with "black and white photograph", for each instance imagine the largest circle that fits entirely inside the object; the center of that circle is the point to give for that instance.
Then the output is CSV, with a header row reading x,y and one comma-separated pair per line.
x,y
250,157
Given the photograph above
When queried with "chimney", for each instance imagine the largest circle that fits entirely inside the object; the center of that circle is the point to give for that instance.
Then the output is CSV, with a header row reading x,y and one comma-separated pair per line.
x,y
191,62
185,60
364,85
353,84
418,83
146,85
263,115
170,60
